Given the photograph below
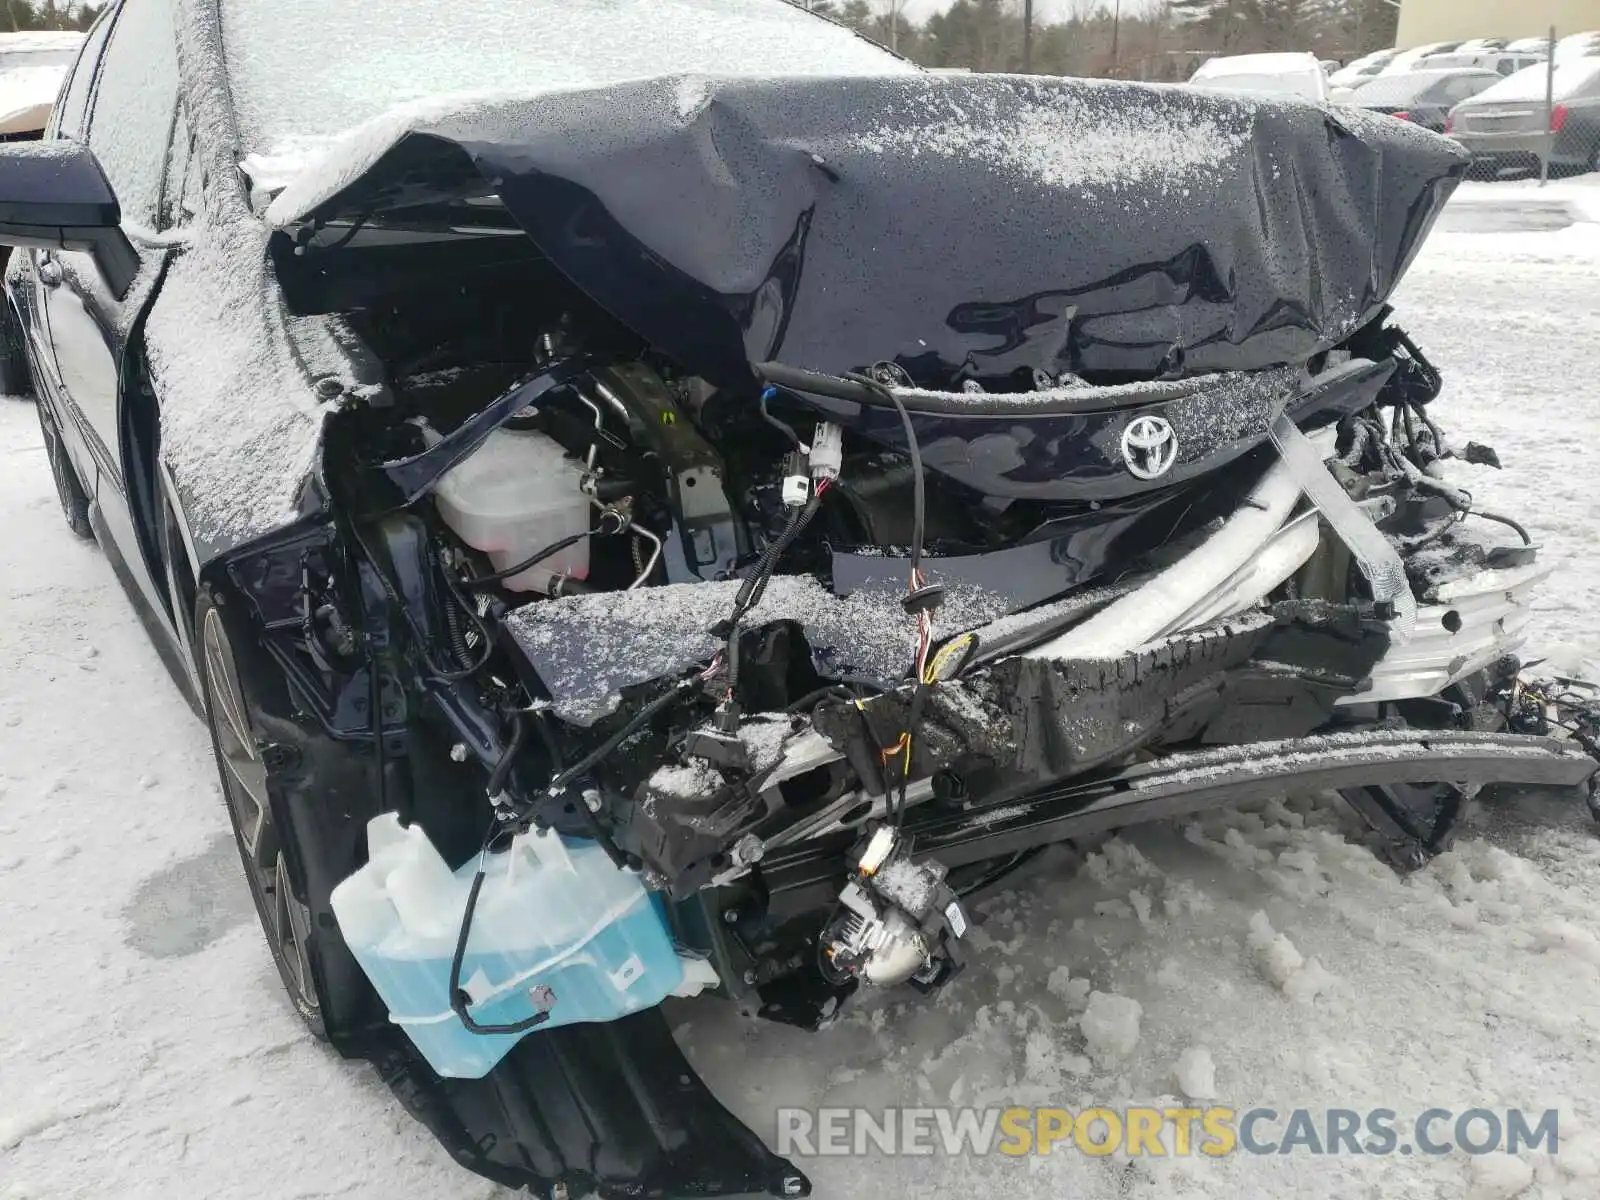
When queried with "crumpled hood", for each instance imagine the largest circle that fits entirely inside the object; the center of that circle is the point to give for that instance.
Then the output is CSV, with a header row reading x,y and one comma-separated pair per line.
x,y
960,225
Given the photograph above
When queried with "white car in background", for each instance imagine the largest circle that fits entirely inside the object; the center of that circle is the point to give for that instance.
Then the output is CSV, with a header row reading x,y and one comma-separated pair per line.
x,y
1410,60
1503,62
1578,45
1358,70
1271,74
32,68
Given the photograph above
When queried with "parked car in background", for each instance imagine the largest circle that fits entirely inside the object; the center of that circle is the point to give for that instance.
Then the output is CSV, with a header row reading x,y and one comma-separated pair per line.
x,y
1478,45
1273,74
1507,126
1353,75
1501,62
1523,45
1578,45
1410,60
1424,97
32,68
1358,70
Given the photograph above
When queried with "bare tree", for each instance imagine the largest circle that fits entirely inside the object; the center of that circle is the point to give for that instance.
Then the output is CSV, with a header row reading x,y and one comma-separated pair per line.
x,y
889,14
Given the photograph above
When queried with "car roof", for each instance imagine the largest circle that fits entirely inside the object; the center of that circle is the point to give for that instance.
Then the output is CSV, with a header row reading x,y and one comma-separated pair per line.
x,y
1288,62
1527,83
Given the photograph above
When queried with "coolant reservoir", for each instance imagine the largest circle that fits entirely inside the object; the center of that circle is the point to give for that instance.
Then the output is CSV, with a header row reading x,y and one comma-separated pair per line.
x,y
558,929
512,497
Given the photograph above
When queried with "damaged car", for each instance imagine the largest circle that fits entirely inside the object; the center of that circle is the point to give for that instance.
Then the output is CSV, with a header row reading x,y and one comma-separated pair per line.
x,y
681,502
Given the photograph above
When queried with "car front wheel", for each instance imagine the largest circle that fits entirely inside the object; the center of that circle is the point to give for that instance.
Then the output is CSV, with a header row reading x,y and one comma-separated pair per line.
x,y
245,764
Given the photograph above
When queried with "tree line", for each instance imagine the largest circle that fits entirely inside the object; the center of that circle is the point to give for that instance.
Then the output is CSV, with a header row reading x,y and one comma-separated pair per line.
x,y
17,16
1133,39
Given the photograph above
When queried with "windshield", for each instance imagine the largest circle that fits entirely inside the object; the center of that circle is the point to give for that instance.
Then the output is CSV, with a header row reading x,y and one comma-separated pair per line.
x,y
1429,86
1397,89
305,70
1282,85
1530,83
16,60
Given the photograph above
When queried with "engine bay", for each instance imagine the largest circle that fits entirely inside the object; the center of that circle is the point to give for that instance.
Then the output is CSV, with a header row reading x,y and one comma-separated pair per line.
x,y
765,646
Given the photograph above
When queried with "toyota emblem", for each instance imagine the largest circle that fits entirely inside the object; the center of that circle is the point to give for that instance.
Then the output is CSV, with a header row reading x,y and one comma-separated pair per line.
x,y
1149,447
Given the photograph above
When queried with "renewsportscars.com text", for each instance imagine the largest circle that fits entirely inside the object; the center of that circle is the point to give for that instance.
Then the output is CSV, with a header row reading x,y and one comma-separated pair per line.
x,y
1212,1132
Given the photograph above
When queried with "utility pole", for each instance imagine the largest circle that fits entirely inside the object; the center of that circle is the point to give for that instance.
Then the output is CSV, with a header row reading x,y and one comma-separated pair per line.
x,y
1027,37
1116,26
1549,111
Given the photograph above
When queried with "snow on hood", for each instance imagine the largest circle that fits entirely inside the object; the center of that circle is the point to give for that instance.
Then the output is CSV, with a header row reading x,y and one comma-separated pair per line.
x,y
945,222
26,97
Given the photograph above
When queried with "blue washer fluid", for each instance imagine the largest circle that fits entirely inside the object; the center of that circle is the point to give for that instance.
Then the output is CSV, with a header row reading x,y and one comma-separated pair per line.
x,y
558,929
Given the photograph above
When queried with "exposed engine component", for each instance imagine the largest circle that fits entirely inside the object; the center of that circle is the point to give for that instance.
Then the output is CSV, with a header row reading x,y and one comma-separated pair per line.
x,y
899,922
517,494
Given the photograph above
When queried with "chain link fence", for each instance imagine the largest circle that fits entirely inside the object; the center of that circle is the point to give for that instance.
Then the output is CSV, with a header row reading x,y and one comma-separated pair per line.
x,y
1542,121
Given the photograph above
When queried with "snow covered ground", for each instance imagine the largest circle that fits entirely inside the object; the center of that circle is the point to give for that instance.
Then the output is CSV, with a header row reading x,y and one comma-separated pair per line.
x,y
145,1048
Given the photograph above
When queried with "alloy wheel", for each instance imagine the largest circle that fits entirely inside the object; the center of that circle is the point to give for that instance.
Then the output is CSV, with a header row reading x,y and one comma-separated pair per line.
x,y
285,920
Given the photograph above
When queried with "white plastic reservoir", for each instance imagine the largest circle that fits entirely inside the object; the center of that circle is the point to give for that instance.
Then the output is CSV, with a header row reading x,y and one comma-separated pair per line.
x,y
512,497
558,929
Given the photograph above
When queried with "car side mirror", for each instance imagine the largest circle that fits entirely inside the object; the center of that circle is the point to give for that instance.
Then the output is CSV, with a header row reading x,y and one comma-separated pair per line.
x,y
54,195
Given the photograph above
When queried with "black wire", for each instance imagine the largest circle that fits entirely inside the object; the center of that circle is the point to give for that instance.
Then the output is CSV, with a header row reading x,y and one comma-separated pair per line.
x,y
840,686
918,498
503,764
1498,519
781,426
463,605
754,586
596,830
918,532
913,722
435,670
479,582
375,704
459,998
616,739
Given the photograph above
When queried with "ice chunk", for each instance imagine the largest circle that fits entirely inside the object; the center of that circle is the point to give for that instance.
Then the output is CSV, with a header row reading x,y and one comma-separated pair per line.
x,y
1498,1177
1570,939
1309,982
1275,953
1282,964
1196,1074
1111,1025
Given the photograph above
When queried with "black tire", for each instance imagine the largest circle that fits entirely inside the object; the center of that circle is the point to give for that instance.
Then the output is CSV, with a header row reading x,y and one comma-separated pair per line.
x,y
69,490
16,379
245,769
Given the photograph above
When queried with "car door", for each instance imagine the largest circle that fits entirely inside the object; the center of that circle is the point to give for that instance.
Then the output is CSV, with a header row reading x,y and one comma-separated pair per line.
x,y
132,107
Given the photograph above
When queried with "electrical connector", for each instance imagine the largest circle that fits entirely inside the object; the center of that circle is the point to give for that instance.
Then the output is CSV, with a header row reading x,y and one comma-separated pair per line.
x,y
827,451
796,491
796,483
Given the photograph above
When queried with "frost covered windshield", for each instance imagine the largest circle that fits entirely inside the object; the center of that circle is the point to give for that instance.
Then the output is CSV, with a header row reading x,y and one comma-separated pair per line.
x,y
305,70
